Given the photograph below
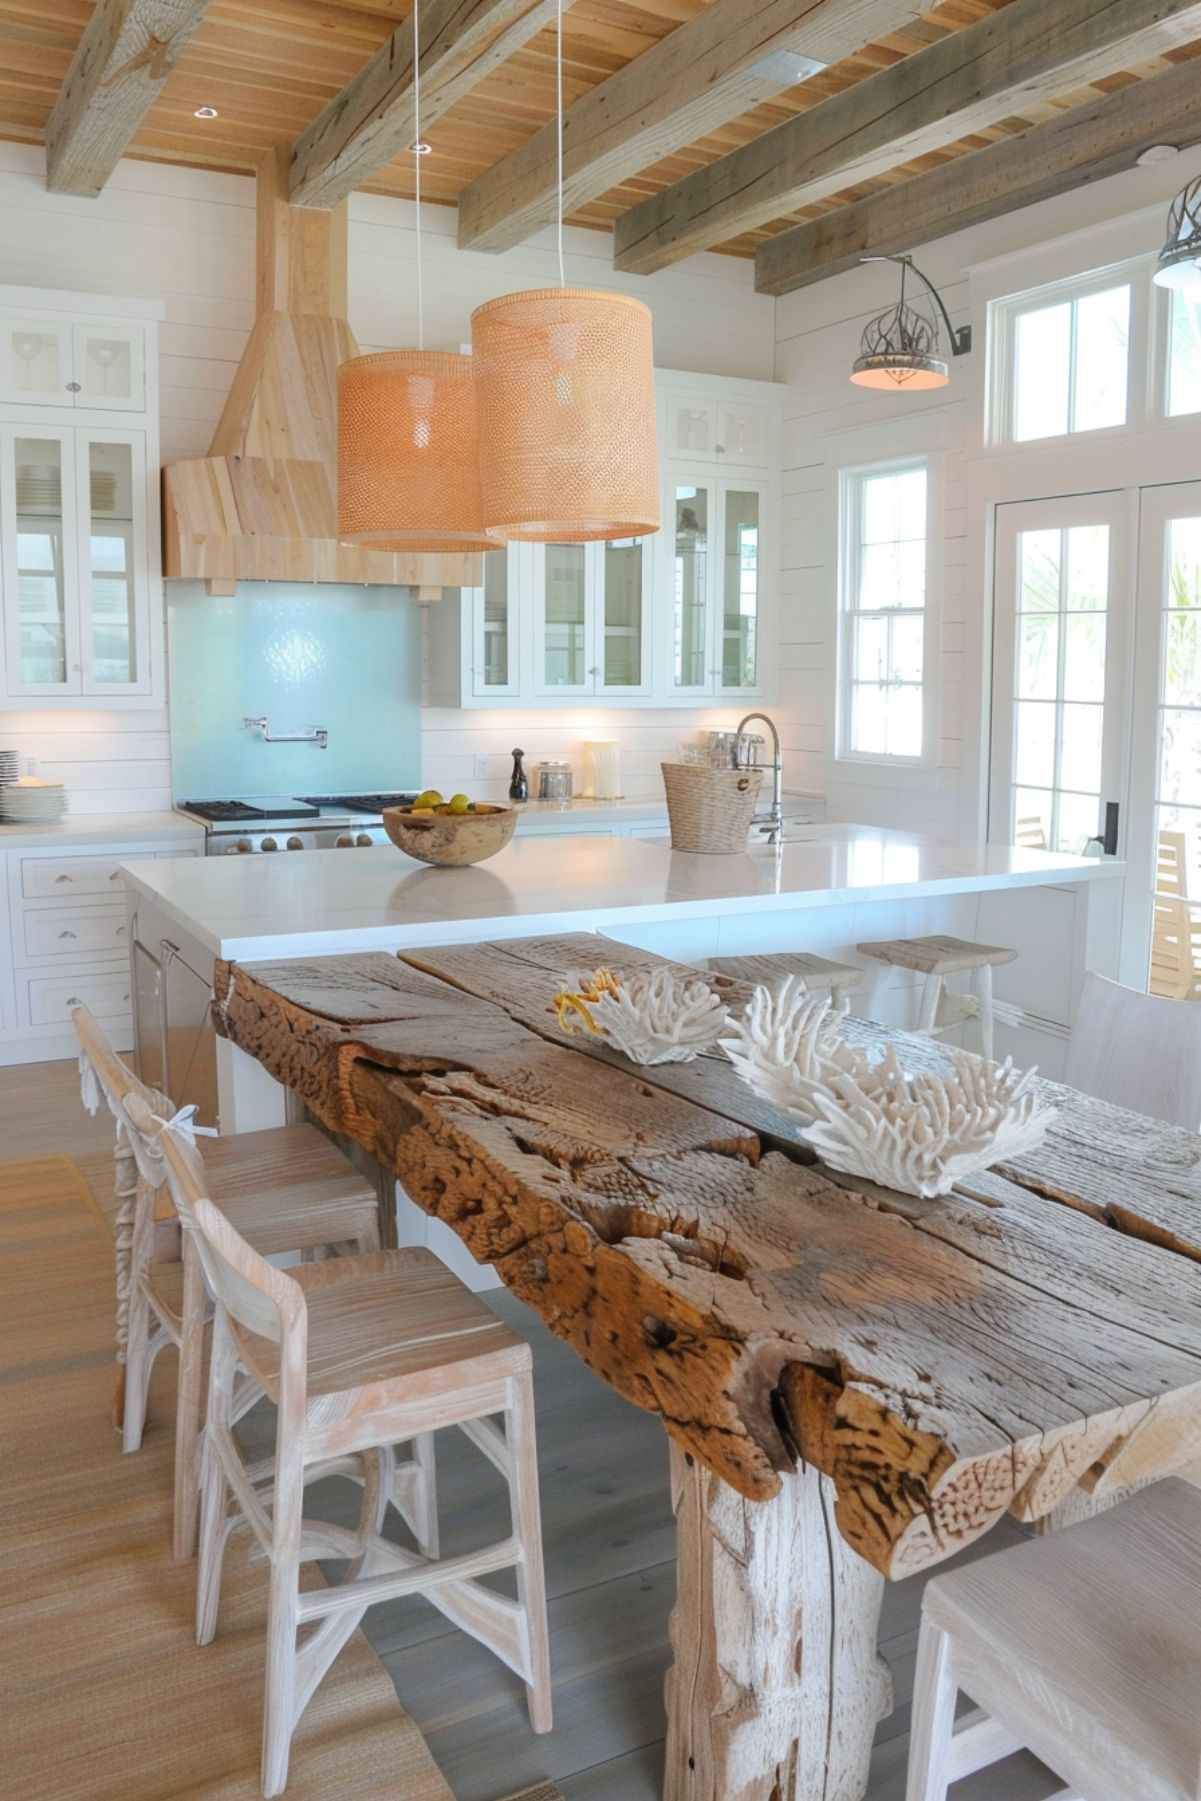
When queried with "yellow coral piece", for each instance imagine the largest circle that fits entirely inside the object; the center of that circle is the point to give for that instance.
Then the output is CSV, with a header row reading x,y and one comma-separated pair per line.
x,y
601,981
567,1004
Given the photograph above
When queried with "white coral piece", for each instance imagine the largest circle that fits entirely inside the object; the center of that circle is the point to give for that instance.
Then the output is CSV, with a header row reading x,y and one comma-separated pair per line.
x,y
660,1017
919,1133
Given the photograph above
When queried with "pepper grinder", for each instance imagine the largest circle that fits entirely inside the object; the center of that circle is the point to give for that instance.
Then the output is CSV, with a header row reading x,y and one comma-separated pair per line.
x,y
519,787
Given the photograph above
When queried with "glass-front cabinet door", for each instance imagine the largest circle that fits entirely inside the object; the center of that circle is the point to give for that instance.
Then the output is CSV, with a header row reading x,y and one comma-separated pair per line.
x,y
39,543
35,361
109,368
111,488
563,663
739,597
690,518
622,583
494,664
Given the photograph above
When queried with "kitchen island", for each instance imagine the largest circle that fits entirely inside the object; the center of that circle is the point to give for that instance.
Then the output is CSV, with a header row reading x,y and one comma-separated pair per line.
x,y
825,889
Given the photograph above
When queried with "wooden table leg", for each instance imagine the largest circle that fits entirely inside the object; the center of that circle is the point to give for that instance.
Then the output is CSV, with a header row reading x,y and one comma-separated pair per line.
x,y
777,1685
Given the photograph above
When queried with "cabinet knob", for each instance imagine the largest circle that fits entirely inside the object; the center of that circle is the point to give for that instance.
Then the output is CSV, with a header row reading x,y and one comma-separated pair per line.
x,y
74,387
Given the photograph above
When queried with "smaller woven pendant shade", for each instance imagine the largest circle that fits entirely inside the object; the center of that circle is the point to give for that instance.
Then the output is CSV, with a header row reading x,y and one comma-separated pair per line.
x,y
565,392
408,469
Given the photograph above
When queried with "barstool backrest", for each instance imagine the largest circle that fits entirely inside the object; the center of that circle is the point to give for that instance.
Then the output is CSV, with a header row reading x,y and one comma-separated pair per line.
x,y
1139,1051
117,1082
260,1299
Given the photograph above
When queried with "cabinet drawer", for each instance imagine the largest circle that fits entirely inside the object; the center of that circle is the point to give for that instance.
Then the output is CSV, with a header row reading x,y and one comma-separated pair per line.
x,y
46,877
72,931
49,999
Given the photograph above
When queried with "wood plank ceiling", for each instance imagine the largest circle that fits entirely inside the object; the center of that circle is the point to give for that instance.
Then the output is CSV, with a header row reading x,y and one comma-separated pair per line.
x,y
270,66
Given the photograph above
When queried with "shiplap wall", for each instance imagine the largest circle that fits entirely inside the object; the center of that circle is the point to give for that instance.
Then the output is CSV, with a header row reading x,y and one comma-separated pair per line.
x,y
817,338
186,237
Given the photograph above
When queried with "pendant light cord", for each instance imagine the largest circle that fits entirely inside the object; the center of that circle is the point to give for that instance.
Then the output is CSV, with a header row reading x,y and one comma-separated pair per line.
x,y
559,106
418,152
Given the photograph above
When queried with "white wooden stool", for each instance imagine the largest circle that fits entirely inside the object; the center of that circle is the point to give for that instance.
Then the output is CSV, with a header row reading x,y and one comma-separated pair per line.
x,y
358,1354
818,974
936,958
1084,1648
287,1189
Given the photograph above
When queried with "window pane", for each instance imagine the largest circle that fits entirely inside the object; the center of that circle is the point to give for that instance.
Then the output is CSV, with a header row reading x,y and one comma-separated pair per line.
x,y
41,594
1084,657
1182,660
1039,558
564,649
691,585
880,502
1080,752
1184,563
1079,815
1184,354
1038,656
1032,818
740,590
1102,334
906,658
1042,344
110,505
1088,567
1035,741
904,722
869,719
879,577
1180,757
871,650
911,574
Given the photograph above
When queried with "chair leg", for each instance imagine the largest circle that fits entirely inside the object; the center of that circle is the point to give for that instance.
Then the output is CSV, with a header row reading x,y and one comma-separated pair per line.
x,y
931,995
527,1529
213,1534
933,1719
187,1405
138,1365
425,1496
984,997
279,1711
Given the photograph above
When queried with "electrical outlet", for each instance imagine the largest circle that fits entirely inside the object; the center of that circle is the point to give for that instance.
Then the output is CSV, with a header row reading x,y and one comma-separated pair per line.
x,y
482,771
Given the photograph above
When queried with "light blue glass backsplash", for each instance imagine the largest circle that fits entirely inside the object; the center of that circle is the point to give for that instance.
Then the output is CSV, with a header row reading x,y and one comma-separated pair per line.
x,y
346,658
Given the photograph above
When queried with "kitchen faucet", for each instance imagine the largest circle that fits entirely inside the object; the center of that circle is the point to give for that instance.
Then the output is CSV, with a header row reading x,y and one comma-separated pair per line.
x,y
773,826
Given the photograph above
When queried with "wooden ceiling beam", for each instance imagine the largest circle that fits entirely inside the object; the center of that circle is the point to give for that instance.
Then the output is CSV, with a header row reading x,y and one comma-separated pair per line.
x,y
697,78
1102,137
126,53
1029,52
370,122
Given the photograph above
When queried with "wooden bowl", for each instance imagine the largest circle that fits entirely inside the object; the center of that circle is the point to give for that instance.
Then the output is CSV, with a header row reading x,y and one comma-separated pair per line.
x,y
451,840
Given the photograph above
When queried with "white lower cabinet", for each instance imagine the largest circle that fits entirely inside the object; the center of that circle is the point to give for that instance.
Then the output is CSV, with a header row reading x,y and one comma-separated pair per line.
x,y
66,943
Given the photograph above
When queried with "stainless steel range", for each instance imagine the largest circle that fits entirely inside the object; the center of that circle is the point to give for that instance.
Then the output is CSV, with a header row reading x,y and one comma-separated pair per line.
x,y
281,822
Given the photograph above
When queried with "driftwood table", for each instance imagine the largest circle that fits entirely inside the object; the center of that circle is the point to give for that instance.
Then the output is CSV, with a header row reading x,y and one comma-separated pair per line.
x,y
856,1384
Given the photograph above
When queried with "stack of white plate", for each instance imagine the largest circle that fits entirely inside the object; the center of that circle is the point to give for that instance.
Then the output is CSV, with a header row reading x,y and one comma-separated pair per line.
x,y
10,766
30,801
40,489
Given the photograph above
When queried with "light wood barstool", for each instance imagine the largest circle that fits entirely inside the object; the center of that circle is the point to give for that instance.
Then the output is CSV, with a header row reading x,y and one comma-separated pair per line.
x,y
936,958
818,974
358,1354
288,1189
1083,1648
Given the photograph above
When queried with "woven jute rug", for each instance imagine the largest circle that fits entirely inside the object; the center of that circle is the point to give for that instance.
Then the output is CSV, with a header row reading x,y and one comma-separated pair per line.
x,y
106,1696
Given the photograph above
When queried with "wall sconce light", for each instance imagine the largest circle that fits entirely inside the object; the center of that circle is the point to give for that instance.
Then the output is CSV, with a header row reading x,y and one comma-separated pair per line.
x,y
902,347
1179,262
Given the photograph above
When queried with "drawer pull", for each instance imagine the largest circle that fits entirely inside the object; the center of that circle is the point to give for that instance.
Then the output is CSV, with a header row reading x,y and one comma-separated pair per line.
x,y
66,934
73,1000
64,878
124,997
120,931
112,878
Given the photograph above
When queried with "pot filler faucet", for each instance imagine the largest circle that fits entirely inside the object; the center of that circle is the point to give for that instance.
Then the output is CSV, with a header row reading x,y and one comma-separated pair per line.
x,y
772,826
309,734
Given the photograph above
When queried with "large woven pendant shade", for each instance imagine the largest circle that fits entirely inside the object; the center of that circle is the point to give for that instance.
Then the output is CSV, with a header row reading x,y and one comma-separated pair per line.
x,y
565,396
408,470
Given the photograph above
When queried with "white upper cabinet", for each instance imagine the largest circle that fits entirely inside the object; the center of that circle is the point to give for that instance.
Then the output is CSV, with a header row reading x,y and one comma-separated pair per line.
x,y
680,617
80,581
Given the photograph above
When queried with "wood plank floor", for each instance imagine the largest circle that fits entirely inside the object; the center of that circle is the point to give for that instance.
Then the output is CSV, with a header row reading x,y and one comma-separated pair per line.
x,y
609,1546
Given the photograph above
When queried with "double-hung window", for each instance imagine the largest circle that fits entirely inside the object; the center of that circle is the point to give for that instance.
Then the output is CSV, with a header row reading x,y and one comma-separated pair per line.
x,y
883,611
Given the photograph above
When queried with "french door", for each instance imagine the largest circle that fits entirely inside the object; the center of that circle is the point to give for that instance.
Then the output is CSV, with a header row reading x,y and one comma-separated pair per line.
x,y
1097,700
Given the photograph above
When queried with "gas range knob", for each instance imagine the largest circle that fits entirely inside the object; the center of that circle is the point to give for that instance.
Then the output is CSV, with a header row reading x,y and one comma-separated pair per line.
x,y
362,838
295,843
268,844
344,841
244,844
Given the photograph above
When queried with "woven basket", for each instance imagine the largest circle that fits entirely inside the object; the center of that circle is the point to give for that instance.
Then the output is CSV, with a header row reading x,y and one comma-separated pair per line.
x,y
710,809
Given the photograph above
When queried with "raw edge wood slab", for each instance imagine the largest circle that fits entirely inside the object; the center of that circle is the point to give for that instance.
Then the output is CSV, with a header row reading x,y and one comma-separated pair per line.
x,y
824,1355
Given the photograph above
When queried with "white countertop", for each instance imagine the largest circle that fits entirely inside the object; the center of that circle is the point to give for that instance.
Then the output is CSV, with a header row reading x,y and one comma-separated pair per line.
x,y
338,901
116,829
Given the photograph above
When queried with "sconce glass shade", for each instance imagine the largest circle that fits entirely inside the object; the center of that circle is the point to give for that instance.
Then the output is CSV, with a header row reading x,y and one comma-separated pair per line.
x,y
408,455
565,396
1179,262
900,349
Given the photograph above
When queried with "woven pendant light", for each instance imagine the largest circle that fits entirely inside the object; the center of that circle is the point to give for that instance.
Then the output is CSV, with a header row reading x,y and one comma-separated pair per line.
x,y
565,392
408,449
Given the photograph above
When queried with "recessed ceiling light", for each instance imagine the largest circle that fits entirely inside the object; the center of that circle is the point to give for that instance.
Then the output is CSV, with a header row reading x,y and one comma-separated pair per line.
x,y
205,112
785,68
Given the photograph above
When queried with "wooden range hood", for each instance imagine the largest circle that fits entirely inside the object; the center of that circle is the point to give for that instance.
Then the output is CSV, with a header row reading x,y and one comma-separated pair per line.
x,y
262,505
